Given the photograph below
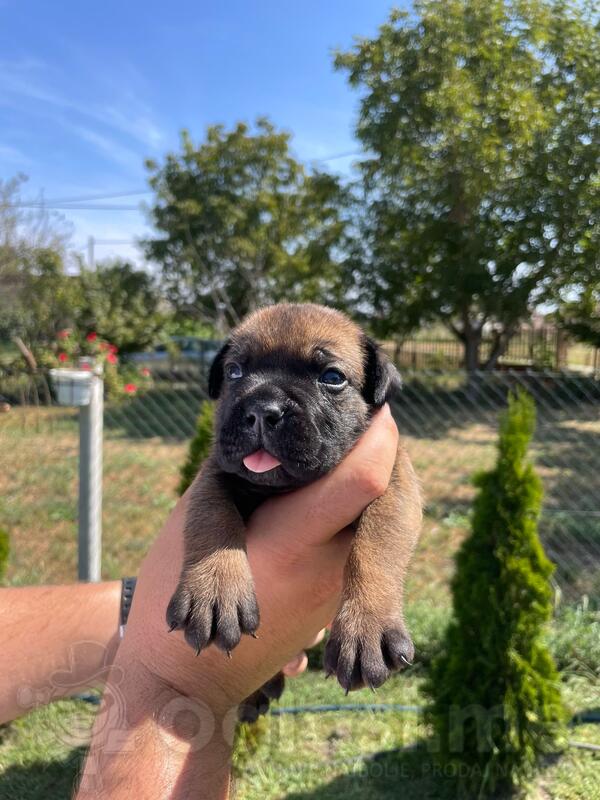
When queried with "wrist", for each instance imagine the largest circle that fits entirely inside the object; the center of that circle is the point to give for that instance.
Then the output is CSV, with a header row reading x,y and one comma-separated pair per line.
x,y
151,729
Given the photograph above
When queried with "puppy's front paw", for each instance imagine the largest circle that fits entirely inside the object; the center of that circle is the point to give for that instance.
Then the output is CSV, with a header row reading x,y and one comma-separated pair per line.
x,y
215,602
363,650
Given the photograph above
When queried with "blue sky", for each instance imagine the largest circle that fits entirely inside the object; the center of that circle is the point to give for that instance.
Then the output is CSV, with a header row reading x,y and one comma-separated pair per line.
x,y
88,89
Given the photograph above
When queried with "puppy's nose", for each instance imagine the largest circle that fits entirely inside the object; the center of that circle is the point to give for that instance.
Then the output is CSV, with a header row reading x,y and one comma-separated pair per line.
x,y
264,415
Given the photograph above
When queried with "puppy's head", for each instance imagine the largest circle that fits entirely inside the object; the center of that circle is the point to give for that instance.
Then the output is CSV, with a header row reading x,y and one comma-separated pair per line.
x,y
296,384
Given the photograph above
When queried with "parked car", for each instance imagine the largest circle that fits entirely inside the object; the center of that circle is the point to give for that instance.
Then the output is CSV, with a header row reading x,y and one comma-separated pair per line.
x,y
180,350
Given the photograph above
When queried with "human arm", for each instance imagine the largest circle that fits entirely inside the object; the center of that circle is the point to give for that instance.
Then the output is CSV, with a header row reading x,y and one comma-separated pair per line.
x,y
56,640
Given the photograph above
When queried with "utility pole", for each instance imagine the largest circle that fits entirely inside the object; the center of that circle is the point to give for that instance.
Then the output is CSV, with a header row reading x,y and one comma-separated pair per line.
x,y
91,259
90,481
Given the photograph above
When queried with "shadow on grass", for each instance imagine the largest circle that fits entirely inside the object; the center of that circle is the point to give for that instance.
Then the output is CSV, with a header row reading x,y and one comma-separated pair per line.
x,y
43,780
408,773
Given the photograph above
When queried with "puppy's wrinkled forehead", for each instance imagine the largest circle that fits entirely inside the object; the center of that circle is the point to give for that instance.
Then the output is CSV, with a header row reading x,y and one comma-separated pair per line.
x,y
301,332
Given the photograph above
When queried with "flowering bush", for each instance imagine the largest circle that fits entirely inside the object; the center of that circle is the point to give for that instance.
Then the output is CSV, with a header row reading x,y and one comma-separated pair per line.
x,y
70,349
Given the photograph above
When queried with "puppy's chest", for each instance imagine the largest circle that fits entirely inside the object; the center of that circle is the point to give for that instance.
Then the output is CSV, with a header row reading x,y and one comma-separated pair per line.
x,y
246,497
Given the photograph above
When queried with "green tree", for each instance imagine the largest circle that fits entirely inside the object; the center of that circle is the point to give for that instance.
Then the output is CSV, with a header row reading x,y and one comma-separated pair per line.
x,y
34,289
581,316
48,300
495,697
241,223
199,446
121,304
480,123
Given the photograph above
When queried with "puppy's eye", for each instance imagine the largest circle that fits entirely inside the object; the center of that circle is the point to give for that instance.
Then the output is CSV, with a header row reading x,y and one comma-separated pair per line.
x,y
233,371
333,377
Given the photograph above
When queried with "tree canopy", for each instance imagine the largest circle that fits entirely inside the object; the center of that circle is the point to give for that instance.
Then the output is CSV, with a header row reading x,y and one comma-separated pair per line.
x,y
581,316
241,223
32,249
482,138
121,304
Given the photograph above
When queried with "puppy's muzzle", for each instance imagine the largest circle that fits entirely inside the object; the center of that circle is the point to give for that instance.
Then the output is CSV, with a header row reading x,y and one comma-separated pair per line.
x,y
262,416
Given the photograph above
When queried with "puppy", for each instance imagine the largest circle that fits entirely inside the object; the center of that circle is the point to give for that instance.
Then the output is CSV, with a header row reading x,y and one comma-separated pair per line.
x,y
297,385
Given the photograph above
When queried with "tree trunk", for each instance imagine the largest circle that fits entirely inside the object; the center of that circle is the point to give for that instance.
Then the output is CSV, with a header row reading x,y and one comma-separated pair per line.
x,y
472,344
499,347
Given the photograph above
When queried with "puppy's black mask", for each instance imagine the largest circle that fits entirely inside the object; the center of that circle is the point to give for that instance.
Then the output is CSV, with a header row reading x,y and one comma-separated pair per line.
x,y
305,403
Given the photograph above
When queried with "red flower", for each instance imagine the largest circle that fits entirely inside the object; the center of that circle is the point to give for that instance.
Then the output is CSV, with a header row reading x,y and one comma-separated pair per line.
x,y
64,334
145,372
63,357
130,388
91,337
111,358
113,348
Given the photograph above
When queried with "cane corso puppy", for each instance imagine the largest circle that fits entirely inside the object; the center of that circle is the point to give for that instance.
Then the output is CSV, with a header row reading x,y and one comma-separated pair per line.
x,y
296,386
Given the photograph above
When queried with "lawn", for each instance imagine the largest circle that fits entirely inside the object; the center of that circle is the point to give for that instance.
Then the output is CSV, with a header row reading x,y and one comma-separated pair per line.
x,y
347,755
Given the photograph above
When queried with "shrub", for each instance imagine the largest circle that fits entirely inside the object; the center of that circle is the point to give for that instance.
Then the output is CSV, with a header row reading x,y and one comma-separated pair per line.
x,y
199,446
495,696
4,553
574,640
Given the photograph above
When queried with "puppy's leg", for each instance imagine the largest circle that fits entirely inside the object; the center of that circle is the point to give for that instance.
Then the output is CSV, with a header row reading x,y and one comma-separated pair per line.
x,y
214,600
258,702
369,638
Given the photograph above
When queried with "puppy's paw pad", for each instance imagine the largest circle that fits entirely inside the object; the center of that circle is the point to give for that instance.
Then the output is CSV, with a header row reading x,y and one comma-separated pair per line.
x,y
362,655
205,617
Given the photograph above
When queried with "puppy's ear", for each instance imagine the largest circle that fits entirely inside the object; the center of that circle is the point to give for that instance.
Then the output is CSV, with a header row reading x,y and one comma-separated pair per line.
x,y
382,379
216,374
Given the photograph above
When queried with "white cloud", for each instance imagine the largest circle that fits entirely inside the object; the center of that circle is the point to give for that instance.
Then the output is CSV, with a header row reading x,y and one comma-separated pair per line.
x,y
129,159
13,156
125,113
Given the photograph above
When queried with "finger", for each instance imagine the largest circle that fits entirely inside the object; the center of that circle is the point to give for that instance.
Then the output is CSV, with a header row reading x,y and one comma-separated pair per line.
x,y
296,666
315,513
318,638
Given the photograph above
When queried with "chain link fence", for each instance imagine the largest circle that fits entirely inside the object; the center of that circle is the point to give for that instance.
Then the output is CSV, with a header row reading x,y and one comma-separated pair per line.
x,y
449,423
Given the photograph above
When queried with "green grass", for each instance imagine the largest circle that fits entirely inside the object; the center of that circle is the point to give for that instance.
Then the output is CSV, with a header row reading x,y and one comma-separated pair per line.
x,y
310,756
345,755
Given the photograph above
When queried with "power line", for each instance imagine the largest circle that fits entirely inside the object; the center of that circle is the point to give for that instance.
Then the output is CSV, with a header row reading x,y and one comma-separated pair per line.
x,y
336,156
87,197
115,241
82,202
74,207
111,196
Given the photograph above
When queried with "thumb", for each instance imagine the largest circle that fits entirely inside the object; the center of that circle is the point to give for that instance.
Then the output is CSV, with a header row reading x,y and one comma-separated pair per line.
x,y
314,514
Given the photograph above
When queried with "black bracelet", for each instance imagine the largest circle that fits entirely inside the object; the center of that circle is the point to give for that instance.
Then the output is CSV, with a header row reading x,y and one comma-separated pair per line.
x,y
127,590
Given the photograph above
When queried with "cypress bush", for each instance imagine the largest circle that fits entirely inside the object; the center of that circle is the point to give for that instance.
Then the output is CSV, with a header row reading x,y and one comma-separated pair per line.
x,y
4,553
495,702
199,446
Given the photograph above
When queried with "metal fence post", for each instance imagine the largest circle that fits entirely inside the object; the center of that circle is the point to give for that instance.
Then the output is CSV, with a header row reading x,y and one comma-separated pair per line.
x,y
90,483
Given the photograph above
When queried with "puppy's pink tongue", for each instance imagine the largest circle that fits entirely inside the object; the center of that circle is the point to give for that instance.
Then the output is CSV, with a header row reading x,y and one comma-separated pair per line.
x,y
261,461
